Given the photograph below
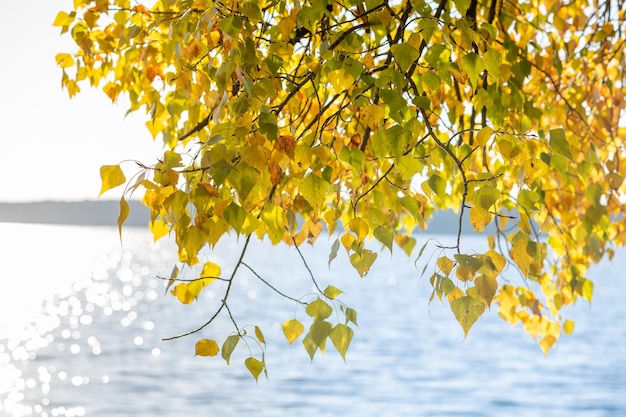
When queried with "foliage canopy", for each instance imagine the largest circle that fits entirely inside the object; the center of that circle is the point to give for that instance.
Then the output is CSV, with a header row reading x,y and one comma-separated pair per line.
x,y
284,119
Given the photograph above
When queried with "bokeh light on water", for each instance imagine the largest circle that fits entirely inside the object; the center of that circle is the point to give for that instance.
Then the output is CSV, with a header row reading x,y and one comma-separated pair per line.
x,y
56,285
82,321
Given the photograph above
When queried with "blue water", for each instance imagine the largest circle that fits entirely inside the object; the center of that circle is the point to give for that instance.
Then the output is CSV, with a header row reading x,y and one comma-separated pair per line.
x,y
82,319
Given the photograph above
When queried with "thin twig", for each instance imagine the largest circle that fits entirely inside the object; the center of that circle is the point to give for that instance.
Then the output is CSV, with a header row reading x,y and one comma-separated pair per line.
x,y
271,286
306,266
219,310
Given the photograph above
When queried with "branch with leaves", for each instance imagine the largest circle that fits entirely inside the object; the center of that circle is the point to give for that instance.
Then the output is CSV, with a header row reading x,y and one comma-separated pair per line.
x,y
285,121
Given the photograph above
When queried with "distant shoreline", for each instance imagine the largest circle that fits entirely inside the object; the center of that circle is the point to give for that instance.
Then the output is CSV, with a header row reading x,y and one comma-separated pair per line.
x,y
105,213
83,213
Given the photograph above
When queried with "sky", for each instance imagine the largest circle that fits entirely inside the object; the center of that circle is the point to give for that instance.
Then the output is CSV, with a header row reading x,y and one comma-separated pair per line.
x,y
51,146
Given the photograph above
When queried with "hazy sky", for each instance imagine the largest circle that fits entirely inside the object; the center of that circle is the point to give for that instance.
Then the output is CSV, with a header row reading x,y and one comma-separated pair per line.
x,y
52,147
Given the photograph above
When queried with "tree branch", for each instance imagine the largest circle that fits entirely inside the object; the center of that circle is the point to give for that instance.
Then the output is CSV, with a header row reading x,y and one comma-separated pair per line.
x,y
219,310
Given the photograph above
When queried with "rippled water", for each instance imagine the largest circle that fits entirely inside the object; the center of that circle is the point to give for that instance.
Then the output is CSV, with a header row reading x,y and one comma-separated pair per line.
x,y
82,318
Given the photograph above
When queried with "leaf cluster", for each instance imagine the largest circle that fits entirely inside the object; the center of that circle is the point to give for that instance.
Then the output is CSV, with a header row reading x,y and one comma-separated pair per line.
x,y
284,119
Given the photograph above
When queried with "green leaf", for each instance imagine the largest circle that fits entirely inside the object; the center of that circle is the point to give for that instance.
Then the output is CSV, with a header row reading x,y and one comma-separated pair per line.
x,y
352,156
268,125
405,55
486,287
313,189
341,336
467,310
255,367
309,345
437,56
486,196
231,25
333,251
385,236
173,276
319,310
319,331
413,206
351,316
528,199
559,144
292,330
340,79
332,292
363,261
493,62
112,176
229,346
239,219
473,64
193,239
438,185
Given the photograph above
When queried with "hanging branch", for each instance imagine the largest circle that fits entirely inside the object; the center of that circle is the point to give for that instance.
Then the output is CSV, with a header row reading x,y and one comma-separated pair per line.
x,y
306,266
228,287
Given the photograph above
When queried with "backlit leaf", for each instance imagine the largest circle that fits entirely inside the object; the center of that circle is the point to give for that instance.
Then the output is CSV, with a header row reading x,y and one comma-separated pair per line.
x,y
363,261
292,330
314,189
65,60
467,310
229,346
486,287
559,143
333,251
206,347
351,316
124,211
341,336
259,334
385,236
332,292
112,176
319,310
255,367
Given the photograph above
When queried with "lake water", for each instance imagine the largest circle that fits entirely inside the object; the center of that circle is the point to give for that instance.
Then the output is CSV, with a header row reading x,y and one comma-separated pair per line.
x,y
82,320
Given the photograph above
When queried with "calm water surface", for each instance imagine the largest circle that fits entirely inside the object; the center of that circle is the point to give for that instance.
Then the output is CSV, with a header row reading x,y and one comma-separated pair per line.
x,y
82,320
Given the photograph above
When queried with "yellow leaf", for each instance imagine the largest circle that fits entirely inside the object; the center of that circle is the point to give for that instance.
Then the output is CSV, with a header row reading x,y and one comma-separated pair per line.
x,y
180,292
158,228
341,336
124,211
467,310
211,270
292,330
521,257
255,367
568,327
372,115
360,227
455,294
497,259
445,265
259,334
64,60
479,218
486,287
206,347
340,79
112,176
347,240
546,343
63,19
